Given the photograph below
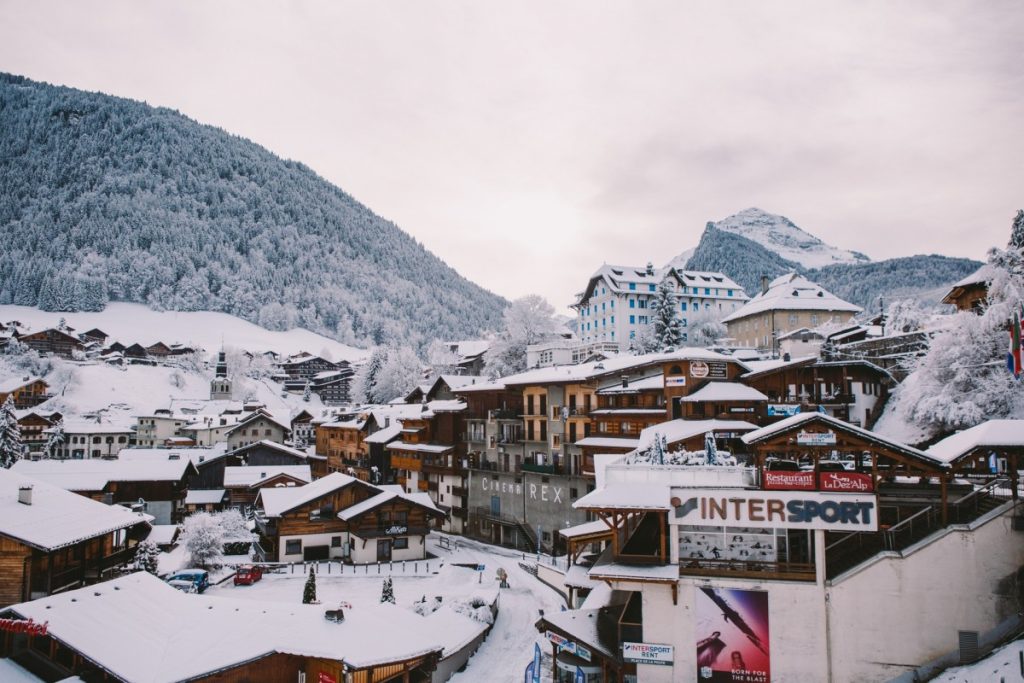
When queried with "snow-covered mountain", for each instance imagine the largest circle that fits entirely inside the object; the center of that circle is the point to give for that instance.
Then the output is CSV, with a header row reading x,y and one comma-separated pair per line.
x,y
781,236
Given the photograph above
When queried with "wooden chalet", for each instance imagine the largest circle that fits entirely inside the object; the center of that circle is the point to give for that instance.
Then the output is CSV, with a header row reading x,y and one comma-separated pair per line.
x,y
208,638
52,540
341,442
259,425
970,293
243,484
159,350
116,347
341,517
212,462
26,392
205,500
303,427
33,425
306,366
53,341
135,353
95,335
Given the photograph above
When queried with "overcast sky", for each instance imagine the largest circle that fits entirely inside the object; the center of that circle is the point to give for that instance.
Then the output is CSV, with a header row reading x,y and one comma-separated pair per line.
x,y
527,143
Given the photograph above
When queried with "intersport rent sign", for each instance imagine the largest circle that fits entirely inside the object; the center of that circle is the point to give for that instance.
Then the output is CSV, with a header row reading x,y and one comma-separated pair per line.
x,y
775,509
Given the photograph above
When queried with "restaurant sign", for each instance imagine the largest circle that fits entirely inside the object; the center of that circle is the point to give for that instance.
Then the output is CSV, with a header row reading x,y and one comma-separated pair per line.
x,y
830,511
26,626
396,530
647,653
816,438
775,480
850,482
856,482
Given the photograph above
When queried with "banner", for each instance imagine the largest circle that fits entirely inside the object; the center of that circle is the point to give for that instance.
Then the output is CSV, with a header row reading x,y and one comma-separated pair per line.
x,y
829,510
778,409
816,438
775,480
854,482
536,664
732,635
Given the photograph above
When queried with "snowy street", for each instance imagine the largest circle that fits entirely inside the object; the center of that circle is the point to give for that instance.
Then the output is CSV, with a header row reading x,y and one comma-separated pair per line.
x,y
508,648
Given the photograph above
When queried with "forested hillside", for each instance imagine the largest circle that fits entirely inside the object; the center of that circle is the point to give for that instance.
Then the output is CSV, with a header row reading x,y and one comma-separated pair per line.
x,y
105,199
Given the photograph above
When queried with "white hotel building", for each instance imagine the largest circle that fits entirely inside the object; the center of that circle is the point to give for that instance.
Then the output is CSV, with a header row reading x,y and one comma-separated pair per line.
x,y
617,303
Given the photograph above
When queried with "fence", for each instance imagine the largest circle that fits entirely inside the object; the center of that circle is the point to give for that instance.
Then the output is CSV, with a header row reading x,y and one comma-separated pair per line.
x,y
339,568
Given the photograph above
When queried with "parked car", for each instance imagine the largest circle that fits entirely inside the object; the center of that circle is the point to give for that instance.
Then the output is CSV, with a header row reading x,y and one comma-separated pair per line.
x,y
782,466
248,575
190,580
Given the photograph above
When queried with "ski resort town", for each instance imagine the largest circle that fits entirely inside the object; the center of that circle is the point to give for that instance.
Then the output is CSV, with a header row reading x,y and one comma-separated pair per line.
x,y
689,482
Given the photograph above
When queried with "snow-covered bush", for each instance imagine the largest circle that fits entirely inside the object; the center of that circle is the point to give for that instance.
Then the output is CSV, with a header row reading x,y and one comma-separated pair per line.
x,y
474,607
147,557
203,538
423,607
387,593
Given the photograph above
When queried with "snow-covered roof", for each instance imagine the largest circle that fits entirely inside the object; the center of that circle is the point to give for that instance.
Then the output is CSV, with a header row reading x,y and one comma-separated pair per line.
x,y
581,625
627,497
759,366
94,474
495,385
154,633
266,443
450,406
586,529
725,392
163,534
283,423
606,568
560,374
12,383
84,426
253,475
678,430
205,496
458,381
991,434
420,447
835,423
634,386
618,279
353,511
469,348
277,501
578,577
454,630
56,518
197,455
792,292
386,434
981,276
607,442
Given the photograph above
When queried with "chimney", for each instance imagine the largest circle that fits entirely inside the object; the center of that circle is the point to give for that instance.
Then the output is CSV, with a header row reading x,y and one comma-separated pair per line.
x,y
25,494
764,284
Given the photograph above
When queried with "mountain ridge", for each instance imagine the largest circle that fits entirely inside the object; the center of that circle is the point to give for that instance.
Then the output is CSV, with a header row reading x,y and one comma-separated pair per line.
x,y
108,199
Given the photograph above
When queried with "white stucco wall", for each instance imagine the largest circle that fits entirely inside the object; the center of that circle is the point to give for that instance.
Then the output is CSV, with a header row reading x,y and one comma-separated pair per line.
x,y
312,540
896,614
368,555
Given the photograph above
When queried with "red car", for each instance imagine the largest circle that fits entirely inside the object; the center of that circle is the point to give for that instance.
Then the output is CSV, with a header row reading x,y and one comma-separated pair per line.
x,y
248,575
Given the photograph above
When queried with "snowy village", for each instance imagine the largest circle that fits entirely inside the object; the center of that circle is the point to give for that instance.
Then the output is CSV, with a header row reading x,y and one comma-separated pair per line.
x,y
253,431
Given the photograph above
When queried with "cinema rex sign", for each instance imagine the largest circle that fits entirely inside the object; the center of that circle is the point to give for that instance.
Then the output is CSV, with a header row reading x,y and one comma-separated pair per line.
x,y
775,509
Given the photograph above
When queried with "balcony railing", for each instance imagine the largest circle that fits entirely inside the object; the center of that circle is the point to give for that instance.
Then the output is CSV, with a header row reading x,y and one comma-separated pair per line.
x,y
785,571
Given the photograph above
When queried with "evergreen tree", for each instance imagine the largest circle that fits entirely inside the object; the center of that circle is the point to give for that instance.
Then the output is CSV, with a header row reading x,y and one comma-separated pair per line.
x,y
55,442
668,330
307,393
1017,232
364,383
147,557
387,593
11,446
309,590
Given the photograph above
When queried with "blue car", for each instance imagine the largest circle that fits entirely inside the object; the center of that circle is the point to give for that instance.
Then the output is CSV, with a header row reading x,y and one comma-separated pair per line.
x,y
190,580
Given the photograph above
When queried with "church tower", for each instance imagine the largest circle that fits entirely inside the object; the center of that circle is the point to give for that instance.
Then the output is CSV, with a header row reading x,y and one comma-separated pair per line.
x,y
220,385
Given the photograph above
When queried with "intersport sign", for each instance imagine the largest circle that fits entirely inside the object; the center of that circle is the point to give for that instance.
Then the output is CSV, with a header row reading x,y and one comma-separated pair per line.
x,y
775,509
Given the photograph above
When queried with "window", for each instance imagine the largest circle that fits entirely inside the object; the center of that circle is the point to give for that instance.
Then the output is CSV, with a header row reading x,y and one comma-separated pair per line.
x,y
682,306
335,541
643,303
814,318
573,494
110,439
96,439
632,303
632,334
401,544
707,291
122,439
266,432
632,320
651,288
613,320
632,286
643,320
293,547
728,292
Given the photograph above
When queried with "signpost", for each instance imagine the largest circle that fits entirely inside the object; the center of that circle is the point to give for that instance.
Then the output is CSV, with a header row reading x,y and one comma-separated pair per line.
x,y
480,572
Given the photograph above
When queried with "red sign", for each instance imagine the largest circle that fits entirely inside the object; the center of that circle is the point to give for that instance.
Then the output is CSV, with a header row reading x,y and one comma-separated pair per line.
x,y
326,678
779,480
23,626
853,482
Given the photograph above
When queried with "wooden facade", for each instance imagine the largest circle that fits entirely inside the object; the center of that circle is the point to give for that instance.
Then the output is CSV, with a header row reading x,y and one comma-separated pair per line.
x,y
28,395
53,341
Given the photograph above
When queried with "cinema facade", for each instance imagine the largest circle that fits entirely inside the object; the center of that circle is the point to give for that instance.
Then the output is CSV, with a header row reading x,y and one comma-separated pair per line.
x,y
887,567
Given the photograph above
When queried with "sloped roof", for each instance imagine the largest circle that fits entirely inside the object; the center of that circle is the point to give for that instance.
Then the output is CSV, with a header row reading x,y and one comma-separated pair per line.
x,y
14,383
94,474
675,431
992,434
792,292
277,501
353,511
254,475
56,518
154,633
618,279
724,392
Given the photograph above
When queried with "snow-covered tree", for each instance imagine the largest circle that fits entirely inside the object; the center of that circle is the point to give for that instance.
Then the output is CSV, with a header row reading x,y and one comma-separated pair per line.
x,y
234,525
12,448
442,359
668,331
54,447
962,380
645,341
704,329
387,593
528,320
309,590
401,372
364,382
903,316
203,538
307,393
147,557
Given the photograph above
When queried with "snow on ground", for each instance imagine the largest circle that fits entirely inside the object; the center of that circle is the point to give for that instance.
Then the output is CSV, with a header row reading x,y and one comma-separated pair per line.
x,y
130,323
508,648
1005,665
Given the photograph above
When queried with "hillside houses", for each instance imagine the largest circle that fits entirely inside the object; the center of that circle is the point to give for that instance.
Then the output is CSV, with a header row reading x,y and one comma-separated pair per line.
x,y
26,391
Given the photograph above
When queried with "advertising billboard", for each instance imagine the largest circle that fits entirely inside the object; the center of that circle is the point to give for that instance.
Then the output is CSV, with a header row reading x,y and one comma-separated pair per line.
x,y
647,653
732,635
831,511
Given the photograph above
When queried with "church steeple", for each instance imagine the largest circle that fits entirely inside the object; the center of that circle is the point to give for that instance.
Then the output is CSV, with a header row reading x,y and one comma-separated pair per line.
x,y
220,385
